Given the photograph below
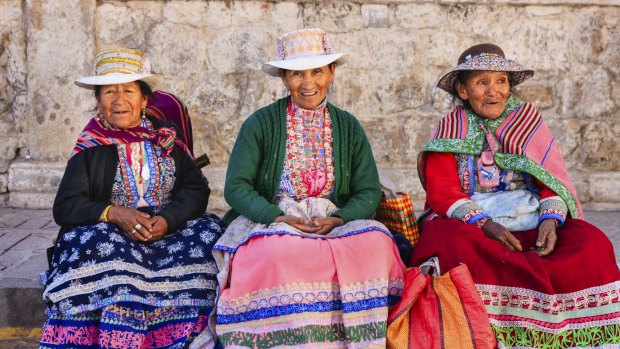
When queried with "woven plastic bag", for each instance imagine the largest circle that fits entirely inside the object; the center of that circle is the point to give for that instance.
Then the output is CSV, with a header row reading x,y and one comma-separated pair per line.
x,y
439,312
396,212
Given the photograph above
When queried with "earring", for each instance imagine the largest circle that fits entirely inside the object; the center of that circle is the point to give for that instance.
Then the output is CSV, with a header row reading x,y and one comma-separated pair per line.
x,y
98,116
143,113
332,87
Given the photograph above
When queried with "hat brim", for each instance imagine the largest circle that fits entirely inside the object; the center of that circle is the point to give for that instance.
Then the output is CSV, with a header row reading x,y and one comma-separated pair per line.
x,y
89,82
517,72
302,63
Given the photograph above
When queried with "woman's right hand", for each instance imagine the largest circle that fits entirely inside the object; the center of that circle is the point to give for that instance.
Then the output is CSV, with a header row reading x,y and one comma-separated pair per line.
x,y
127,219
502,235
297,223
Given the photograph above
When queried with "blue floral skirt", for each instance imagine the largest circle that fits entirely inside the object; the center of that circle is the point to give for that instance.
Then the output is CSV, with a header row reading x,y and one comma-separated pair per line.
x,y
106,291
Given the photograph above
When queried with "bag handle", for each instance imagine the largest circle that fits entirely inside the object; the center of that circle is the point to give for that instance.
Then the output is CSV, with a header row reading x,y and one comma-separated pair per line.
x,y
431,266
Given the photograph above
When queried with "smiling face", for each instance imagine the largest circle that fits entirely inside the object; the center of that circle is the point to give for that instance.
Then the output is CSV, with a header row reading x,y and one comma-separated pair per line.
x,y
308,87
121,105
486,92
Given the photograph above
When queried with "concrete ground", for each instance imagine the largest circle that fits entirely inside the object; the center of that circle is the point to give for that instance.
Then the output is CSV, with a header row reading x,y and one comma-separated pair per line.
x,y
26,234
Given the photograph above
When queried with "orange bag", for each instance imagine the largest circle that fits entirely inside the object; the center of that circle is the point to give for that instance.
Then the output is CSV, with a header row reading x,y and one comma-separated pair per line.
x,y
397,214
439,312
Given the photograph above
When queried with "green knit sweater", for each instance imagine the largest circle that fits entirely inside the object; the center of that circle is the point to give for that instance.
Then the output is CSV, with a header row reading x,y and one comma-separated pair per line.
x,y
257,159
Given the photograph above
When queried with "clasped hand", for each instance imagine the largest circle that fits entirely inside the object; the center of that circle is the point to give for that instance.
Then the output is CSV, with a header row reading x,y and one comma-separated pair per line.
x,y
319,226
139,226
545,242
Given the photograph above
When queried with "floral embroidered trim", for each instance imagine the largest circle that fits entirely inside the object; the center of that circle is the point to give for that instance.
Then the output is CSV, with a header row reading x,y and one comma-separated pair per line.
x,y
522,298
467,212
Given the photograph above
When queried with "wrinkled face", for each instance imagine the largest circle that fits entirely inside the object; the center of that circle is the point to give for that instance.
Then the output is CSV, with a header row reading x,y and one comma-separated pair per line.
x,y
121,104
308,87
486,92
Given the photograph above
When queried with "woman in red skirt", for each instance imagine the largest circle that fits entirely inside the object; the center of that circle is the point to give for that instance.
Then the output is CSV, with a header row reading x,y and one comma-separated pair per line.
x,y
499,200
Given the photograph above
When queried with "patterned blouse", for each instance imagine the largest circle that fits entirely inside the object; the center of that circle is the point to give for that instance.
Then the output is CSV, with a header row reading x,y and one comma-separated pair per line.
x,y
308,164
143,176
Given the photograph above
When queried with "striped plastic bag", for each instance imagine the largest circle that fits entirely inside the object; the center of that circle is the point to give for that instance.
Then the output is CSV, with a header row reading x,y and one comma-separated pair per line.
x,y
439,312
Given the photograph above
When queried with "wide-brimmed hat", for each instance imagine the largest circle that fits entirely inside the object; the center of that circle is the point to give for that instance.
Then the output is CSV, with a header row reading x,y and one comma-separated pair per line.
x,y
302,49
485,57
119,66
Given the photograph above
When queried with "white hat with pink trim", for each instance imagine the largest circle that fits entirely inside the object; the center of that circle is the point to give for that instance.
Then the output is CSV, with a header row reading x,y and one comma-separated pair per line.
x,y
302,49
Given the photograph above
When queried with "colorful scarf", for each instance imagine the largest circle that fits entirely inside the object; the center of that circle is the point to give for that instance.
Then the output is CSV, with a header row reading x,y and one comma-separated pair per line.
x,y
525,144
96,134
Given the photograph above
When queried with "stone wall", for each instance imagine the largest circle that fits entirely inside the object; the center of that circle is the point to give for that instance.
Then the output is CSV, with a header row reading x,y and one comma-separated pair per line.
x,y
211,53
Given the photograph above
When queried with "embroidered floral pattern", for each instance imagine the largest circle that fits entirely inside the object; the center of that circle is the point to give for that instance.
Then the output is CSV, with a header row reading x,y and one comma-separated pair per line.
x,y
308,165
144,176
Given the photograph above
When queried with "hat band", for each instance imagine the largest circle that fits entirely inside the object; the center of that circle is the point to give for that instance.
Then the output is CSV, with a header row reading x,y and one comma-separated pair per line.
x,y
482,56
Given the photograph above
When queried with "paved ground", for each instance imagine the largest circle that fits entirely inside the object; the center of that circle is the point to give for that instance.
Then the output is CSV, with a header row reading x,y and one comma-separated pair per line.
x,y
26,234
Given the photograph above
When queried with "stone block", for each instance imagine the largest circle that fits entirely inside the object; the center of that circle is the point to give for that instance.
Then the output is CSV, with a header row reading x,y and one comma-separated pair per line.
x,y
194,13
31,200
217,178
406,180
8,152
420,16
600,145
35,176
540,95
60,48
375,15
604,187
285,17
332,16
4,182
586,94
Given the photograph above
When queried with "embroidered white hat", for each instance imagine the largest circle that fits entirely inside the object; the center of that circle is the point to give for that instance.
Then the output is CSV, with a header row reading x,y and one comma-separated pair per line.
x,y
119,66
302,49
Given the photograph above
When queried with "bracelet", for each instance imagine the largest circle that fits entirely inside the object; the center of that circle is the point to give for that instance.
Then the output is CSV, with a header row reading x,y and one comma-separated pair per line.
x,y
105,213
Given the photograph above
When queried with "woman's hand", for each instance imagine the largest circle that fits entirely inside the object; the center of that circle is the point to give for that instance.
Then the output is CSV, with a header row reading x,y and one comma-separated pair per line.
x,y
297,223
327,224
159,228
547,237
136,224
501,234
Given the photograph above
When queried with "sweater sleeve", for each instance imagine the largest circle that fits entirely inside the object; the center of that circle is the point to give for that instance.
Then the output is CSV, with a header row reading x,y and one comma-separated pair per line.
x,y
241,176
364,185
443,190
551,205
190,195
73,205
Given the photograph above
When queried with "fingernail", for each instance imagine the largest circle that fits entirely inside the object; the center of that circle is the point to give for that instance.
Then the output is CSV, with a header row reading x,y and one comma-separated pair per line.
x,y
538,243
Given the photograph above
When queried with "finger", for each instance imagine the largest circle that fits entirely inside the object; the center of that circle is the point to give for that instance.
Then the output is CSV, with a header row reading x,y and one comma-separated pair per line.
x,y
542,237
549,246
146,224
305,228
324,229
513,242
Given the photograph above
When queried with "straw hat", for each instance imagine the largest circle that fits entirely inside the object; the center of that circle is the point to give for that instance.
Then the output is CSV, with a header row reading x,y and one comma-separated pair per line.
x,y
119,66
302,49
485,57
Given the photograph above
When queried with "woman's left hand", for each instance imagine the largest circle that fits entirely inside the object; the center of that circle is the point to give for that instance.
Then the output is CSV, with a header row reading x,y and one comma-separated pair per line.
x,y
547,237
159,228
327,224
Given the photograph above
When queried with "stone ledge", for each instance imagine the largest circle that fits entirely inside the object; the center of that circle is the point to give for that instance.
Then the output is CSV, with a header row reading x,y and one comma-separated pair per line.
x,y
34,185
35,176
491,2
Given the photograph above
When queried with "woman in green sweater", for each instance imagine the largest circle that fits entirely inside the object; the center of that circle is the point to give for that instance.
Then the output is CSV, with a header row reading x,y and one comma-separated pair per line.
x,y
301,263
